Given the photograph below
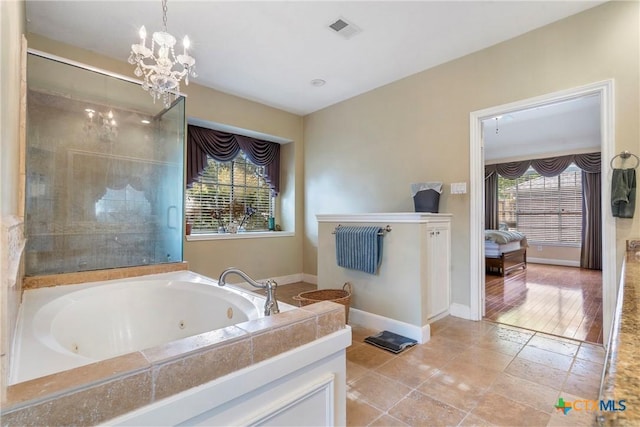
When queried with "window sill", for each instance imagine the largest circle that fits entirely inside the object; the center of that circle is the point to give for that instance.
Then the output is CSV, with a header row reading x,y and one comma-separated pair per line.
x,y
555,244
242,235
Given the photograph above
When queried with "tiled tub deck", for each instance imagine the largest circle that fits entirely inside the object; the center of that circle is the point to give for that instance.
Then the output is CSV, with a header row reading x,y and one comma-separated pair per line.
x,y
101,391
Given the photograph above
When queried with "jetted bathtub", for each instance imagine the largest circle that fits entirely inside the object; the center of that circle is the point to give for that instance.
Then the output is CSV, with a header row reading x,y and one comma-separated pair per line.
x,y
68,326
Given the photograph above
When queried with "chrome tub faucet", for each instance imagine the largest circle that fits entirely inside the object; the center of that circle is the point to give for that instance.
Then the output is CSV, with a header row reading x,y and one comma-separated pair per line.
x,y
271,303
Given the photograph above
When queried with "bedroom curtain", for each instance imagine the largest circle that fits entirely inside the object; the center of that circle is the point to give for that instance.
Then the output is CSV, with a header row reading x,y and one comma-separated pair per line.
x,y
591,250
224,147
590,164
490,199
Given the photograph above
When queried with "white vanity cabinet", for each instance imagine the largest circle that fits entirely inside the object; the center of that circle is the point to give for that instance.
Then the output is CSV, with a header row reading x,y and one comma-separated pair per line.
x,y
438,267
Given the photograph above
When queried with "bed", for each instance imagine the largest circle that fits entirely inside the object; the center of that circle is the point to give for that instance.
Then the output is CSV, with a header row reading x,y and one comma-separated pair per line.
x,y
504,251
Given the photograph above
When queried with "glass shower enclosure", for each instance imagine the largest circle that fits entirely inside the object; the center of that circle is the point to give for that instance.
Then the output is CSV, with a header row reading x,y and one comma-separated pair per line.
x,y
104,171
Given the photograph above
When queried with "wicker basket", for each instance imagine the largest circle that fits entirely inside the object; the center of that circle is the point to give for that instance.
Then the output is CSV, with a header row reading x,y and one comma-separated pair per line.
x,y
341,296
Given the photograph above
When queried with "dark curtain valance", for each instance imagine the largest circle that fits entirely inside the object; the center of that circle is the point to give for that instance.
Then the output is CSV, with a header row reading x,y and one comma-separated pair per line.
x,y
224,147
551,166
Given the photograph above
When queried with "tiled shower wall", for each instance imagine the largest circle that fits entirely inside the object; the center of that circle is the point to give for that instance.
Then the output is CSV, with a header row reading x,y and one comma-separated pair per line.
x,y
95,200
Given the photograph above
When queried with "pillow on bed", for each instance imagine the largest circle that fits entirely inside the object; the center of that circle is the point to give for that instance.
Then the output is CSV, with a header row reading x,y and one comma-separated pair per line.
x,y
502,237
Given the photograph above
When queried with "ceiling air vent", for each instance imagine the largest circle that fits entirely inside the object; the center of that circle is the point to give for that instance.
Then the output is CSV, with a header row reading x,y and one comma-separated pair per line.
x,y
345,28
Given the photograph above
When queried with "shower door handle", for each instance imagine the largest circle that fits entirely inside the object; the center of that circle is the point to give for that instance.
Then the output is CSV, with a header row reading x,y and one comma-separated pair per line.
x,y
169,209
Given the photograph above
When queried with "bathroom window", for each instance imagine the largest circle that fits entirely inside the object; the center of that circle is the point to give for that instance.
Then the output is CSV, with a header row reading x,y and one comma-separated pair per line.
x,y
227,193
547,210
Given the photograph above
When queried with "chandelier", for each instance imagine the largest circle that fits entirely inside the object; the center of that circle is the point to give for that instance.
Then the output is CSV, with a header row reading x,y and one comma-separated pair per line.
x,y
101,125
157,68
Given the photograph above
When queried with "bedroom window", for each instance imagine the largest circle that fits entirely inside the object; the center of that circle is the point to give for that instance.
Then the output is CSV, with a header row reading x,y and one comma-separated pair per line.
x,y
547,210
226,192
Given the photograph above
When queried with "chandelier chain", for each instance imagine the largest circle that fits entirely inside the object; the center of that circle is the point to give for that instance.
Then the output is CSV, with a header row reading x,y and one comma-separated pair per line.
x,y
165,8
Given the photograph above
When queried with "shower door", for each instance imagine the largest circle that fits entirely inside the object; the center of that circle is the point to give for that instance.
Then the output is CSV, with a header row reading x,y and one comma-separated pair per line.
x,y
104,171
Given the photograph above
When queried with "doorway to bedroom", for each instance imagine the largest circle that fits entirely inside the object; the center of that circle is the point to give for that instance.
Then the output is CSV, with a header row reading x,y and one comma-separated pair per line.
x,y
541,164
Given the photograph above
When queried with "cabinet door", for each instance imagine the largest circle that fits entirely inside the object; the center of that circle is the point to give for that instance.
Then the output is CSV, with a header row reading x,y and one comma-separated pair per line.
x,y
439,256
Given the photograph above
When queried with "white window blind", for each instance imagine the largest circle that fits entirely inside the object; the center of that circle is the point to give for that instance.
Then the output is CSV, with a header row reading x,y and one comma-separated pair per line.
x,y
547,210
226,192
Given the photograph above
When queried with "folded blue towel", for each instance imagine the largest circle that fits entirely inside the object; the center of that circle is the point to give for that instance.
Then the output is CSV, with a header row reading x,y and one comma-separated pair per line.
x,y
359,248
623,193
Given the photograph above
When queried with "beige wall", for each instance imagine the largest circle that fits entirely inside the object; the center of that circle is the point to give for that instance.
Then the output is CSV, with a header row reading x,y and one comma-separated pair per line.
x,y
362,154
262,258
548,254
12,26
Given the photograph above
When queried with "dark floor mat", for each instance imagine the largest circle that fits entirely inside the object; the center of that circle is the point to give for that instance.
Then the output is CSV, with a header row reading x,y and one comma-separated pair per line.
x,y
391,342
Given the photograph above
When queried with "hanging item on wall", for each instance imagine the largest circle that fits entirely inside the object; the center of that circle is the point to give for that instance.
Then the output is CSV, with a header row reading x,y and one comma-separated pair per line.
x,y
623,187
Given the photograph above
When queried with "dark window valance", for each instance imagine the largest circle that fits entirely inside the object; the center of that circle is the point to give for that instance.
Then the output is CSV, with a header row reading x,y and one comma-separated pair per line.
x,y
551,166
224,147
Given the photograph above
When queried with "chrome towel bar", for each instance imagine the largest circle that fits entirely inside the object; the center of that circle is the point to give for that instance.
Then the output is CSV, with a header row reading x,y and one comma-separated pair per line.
x,y
386,229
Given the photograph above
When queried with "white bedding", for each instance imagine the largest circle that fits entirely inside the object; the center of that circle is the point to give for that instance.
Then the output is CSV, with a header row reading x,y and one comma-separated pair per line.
x,y
494,250
503,236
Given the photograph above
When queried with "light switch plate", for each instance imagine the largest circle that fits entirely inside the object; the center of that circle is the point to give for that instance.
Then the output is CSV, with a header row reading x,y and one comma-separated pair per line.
x,y
458,188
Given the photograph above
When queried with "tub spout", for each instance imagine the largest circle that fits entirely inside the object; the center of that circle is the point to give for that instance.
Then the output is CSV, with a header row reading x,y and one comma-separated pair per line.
x,y
271,303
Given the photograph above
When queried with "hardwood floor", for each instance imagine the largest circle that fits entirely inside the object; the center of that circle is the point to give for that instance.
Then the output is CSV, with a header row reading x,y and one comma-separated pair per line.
x,y
563,301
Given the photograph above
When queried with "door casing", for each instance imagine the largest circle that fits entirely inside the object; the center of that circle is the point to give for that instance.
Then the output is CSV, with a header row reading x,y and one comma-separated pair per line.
x,y
605,89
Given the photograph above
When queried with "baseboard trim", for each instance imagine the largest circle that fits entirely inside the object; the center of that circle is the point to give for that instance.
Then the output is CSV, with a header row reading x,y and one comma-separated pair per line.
x,y
291,278
310,278
562,262
381,323
460,310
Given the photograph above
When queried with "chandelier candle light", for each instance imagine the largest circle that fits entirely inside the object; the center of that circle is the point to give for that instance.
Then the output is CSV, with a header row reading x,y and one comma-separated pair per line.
x,y
160,79
106,127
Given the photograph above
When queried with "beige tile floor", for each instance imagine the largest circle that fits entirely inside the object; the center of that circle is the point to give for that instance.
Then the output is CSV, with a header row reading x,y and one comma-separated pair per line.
x,y
472,374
